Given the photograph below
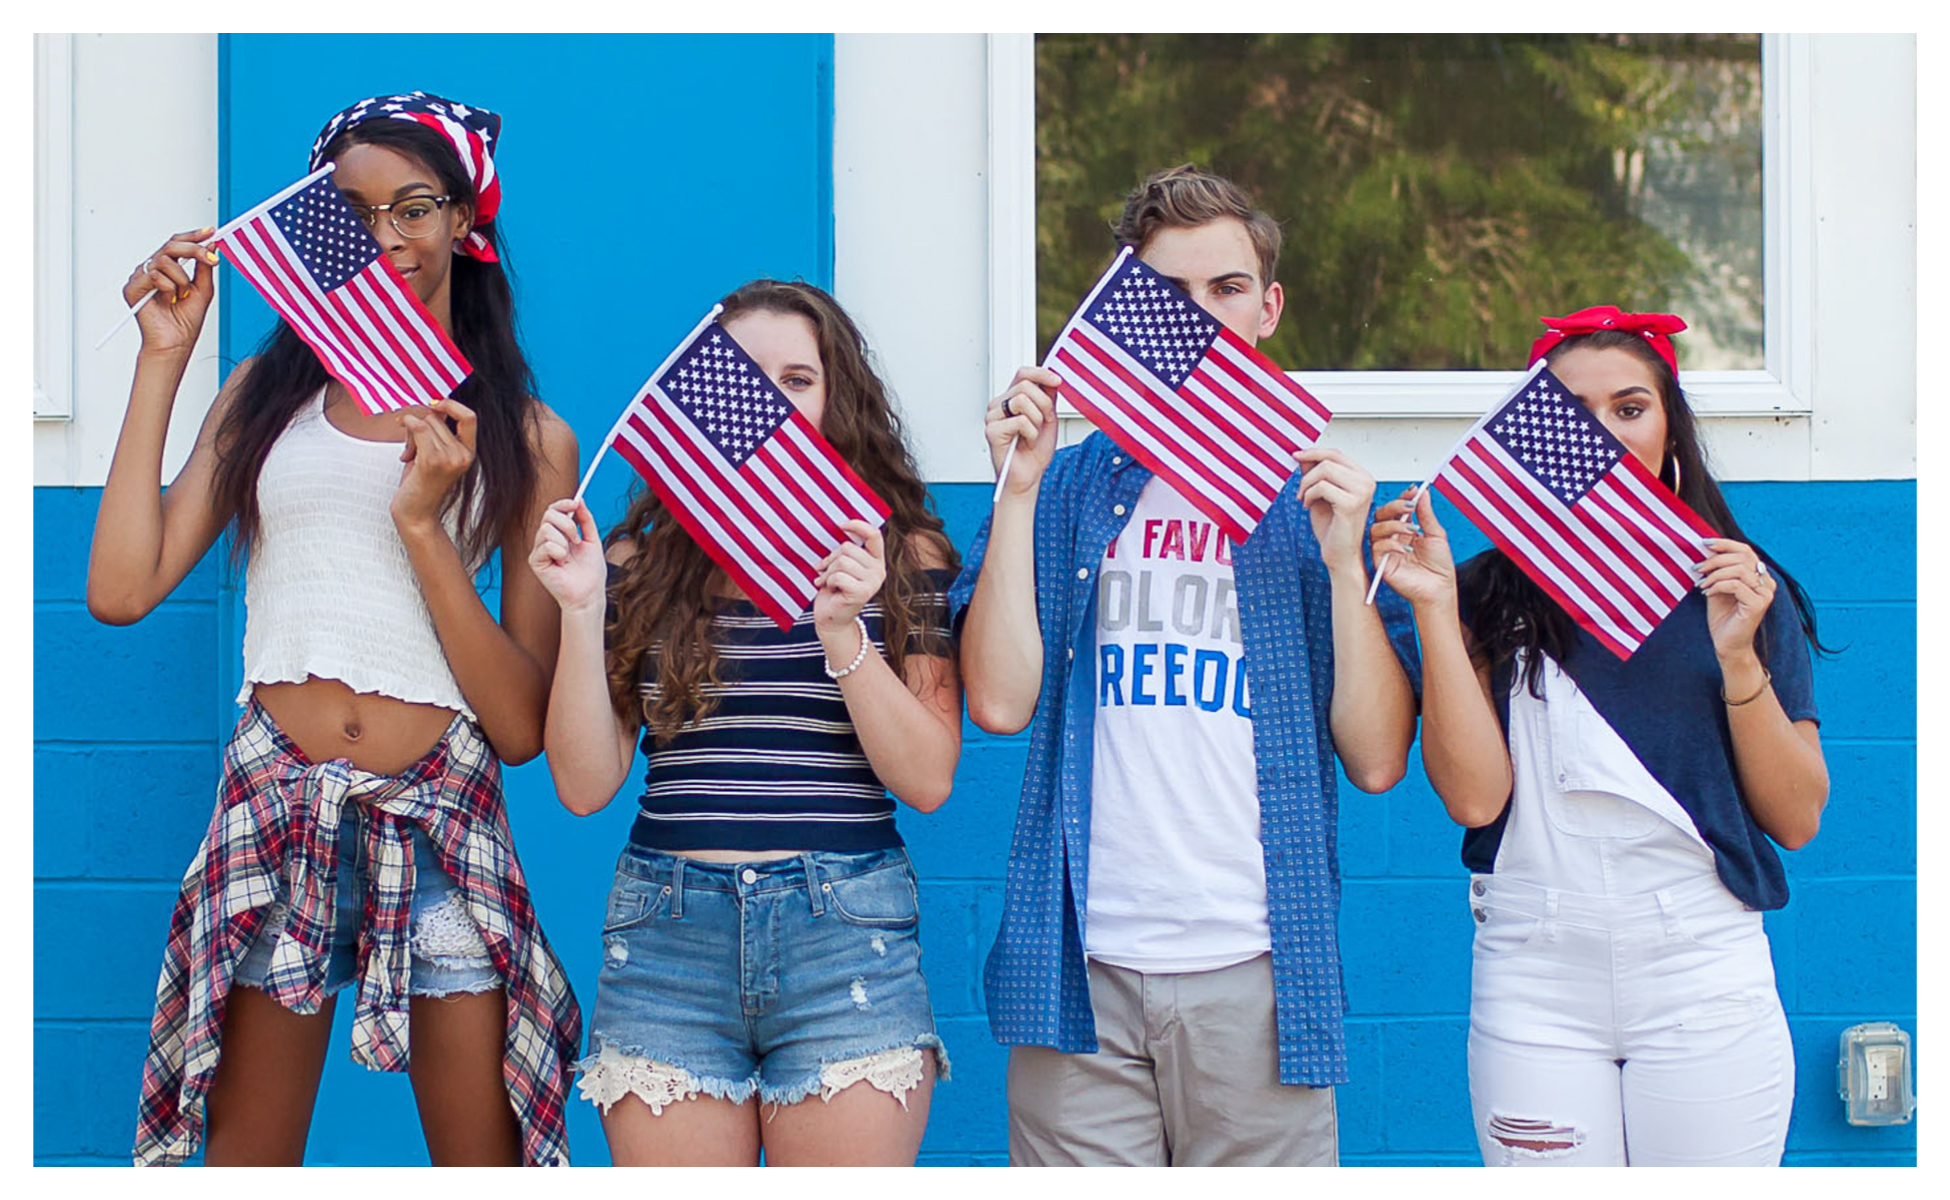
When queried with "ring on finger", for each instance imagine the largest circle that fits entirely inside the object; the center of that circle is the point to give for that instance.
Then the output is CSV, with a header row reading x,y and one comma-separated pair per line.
x,y
1760,568
1007,411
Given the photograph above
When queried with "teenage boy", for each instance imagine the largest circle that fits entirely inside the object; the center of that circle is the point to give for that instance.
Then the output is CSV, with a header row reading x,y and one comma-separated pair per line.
x,y
1167,974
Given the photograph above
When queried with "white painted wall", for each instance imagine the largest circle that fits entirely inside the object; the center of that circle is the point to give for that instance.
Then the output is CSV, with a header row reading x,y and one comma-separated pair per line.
x,y
122,162
917,120
910,229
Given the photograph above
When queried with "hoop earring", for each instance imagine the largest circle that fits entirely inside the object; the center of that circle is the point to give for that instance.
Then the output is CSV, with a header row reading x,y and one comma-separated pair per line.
x,y
1675,475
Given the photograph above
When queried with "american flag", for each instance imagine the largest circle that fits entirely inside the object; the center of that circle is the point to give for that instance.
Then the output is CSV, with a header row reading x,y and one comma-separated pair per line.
x,y
1184,395
742,470
1577,511
318,266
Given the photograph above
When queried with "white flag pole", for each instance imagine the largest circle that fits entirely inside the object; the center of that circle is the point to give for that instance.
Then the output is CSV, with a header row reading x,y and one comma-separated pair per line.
x,y
222,232
1415,497
1002,476
618,427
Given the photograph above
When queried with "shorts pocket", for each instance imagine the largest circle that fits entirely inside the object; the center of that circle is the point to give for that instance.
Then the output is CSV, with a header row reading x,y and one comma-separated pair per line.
x,y
883,899
633,901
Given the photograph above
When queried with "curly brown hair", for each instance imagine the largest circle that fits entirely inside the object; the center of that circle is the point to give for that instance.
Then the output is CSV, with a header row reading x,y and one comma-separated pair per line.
x,y
667,594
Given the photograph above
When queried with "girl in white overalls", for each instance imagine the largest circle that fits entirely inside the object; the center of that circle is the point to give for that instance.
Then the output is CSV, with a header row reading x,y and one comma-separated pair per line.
x,y
1622,815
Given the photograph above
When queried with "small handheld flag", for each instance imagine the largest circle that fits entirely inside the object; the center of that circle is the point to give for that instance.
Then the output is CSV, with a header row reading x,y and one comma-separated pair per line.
x,y
314,261
1184,395
749,477
1576,511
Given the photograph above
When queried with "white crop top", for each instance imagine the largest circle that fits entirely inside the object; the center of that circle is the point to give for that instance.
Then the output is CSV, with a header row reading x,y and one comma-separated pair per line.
x,y
329,591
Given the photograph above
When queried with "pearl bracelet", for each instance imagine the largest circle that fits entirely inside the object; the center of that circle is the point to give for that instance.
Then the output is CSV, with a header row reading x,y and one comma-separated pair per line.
x,y
859,658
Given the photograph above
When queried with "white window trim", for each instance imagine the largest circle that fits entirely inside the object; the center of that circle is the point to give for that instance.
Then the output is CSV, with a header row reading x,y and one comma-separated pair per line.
x,y
53,227
1781,388
93,221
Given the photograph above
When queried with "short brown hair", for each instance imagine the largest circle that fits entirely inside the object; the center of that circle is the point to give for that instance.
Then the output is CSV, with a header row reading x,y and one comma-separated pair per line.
x,y
1184,197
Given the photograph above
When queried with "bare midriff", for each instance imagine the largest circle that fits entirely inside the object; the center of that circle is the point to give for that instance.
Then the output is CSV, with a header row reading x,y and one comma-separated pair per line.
x,y
376,733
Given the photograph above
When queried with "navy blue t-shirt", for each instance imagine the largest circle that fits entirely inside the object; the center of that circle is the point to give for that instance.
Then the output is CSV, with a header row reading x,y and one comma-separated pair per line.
x,y
1665,703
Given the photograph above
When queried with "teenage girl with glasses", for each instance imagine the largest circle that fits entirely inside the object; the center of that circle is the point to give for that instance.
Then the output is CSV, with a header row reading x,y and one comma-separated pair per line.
x,y
359,835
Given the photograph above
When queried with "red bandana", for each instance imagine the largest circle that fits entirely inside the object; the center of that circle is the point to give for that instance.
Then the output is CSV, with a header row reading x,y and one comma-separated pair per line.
x,y
1656,328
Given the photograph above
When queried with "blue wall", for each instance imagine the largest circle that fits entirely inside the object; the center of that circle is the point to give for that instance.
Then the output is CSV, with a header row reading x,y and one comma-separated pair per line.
x,y
725,174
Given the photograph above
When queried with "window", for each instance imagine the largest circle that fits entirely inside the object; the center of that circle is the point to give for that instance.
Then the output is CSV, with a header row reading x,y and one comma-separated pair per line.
x,y
1438,192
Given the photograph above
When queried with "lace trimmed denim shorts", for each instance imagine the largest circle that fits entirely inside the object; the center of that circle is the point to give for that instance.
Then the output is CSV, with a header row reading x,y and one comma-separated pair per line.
x,y
779,978
448,955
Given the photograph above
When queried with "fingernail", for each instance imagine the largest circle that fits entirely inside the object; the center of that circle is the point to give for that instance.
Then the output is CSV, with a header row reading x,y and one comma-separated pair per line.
x,y
210,256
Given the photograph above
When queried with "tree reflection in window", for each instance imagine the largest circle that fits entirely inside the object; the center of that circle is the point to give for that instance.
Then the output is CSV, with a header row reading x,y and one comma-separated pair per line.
x,y
1438,192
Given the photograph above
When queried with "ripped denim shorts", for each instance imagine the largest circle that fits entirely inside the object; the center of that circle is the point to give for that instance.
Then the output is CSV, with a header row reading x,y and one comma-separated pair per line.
x,y
779,979
449,957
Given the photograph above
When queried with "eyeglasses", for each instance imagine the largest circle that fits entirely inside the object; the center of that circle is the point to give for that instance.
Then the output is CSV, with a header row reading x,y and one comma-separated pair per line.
x,y
414,217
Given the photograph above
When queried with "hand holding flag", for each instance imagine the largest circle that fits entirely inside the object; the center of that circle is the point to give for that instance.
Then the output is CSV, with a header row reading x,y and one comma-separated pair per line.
x,y
739,468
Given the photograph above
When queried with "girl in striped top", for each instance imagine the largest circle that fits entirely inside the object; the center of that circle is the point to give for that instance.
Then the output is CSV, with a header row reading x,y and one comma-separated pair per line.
x,y
760,941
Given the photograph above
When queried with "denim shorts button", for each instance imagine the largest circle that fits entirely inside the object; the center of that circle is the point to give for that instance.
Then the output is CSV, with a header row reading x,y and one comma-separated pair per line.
x,y
1481,916
750,876
1478,887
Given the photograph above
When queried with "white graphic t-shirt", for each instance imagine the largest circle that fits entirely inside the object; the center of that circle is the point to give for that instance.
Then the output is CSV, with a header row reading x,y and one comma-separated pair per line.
x,y
1177,876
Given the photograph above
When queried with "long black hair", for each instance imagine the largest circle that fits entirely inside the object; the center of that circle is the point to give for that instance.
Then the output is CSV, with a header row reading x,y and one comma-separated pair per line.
x,y
1509,613
500,390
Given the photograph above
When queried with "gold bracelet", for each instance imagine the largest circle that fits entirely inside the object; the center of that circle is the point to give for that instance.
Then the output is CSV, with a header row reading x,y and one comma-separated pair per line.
x,y
1766,680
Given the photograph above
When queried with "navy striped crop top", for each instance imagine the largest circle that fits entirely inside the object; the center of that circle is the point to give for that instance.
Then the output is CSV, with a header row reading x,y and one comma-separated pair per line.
x,y
776,765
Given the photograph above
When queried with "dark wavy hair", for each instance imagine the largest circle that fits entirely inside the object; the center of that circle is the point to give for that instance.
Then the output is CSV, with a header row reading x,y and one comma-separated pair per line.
x,y
1509,613
286,374
668,594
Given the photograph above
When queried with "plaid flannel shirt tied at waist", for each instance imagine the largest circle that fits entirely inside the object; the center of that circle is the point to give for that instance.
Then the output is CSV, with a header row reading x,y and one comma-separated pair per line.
x,y
275,833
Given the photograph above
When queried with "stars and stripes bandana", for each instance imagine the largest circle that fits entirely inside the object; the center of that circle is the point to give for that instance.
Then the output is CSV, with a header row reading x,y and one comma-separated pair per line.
x,y
274,836
471,131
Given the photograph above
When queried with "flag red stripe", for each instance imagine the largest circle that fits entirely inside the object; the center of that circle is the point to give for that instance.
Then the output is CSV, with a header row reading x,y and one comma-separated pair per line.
x,y
1675,520
1246,380
1669,501
1502,502
366,314
407,328
842,495
257,262
716,485
1305,399
1550,513
372,358
1085,389
1244,428
1516,554
756,536
775,487
680,509
390,282
1136,415
1254,492
810,441
1670,544
362,343
1600,501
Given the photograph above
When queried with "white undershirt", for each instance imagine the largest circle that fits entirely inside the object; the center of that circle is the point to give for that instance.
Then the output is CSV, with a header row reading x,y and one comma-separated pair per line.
x,y
1177,872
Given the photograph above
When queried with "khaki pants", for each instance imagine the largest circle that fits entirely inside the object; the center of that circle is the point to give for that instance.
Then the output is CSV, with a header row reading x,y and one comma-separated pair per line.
x,y
1186,1074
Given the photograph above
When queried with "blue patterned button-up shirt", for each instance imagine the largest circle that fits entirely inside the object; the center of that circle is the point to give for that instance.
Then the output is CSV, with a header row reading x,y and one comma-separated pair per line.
x,y
1035,982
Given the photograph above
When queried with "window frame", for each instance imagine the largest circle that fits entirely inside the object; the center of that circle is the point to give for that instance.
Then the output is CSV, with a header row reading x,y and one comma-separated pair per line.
x,y
1781,387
